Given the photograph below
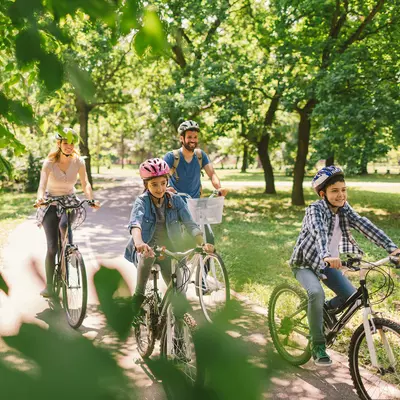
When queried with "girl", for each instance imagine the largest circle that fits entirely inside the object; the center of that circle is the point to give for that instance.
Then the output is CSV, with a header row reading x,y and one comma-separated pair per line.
x,y
325,233
156,219
58,179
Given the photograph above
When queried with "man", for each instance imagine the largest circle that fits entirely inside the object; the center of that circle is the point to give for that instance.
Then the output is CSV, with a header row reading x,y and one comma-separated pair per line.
x,y
187,162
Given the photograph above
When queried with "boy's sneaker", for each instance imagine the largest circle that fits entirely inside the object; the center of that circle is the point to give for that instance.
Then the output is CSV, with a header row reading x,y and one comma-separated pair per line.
x,y
321,358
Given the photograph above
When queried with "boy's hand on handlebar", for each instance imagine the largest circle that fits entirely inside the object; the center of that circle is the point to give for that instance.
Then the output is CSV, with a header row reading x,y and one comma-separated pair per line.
x,y
334,262
145,249
395,253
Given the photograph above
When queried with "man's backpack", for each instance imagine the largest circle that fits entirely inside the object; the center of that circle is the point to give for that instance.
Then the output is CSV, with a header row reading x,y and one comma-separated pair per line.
x,y
177,158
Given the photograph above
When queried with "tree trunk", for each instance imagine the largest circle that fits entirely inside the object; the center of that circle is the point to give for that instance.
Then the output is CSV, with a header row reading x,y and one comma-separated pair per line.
x,y
83,110
262,150
303,141
245,160
330,160
122,151
263,145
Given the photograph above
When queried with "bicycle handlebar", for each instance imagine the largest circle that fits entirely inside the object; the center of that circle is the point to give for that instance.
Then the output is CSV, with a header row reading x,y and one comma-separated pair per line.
x,y
160,251
53,200
356,264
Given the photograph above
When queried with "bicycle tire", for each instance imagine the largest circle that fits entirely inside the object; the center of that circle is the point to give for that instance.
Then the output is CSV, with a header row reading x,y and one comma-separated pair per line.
x,y
289,335
362,372
75,280
212,285
145,333
183,350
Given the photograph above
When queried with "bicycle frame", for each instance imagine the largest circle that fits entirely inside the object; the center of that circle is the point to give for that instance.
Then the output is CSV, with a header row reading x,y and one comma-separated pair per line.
x,y
359,299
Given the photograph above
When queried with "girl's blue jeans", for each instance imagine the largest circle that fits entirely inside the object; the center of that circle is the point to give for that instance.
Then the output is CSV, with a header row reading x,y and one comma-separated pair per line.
x,y
335,281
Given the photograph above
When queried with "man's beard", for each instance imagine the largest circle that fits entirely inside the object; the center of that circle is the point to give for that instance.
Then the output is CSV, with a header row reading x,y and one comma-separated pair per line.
x,y
188,147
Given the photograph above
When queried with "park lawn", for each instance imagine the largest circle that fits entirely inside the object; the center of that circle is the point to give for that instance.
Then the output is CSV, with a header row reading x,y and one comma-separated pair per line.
x,y
257,175
258,233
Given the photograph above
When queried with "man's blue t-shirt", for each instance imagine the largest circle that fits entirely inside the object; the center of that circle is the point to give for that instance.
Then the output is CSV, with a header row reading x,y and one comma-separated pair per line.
x,y
188,173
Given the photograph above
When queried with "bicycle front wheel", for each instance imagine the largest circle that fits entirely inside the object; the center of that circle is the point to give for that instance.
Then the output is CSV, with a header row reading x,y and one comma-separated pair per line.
x,y
177,345
212,285
145,331
370,382
75,289
288,324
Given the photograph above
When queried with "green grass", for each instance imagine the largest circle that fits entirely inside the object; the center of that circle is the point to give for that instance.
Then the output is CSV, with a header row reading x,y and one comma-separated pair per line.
x,y
257,175
259,231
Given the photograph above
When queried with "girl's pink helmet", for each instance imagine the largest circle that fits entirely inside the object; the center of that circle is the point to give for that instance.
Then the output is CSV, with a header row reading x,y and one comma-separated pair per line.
x,y
152,168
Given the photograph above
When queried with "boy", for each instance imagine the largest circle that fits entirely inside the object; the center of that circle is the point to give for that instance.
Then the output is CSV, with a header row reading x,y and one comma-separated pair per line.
x,y
325,233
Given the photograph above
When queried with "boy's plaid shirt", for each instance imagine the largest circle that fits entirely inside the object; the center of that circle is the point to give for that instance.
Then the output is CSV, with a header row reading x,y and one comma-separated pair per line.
x,y
312,245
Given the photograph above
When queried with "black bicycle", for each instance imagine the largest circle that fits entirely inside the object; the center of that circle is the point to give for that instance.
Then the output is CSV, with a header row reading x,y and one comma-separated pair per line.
x,y
159,320
70,272
374,353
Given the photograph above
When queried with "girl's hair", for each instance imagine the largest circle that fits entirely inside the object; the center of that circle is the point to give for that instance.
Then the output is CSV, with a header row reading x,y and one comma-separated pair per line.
x,y
146,181
54,156
332,181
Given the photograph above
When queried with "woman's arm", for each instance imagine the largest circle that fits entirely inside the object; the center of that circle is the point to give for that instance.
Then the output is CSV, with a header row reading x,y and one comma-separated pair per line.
x,y
44,177
87,188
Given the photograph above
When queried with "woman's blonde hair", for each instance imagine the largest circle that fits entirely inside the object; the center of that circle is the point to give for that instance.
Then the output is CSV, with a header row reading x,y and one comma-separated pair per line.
x,y
54,156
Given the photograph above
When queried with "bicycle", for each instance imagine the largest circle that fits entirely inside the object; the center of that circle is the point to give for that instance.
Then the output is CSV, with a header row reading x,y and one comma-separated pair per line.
x,y
69,272
208,271
158,320
374,352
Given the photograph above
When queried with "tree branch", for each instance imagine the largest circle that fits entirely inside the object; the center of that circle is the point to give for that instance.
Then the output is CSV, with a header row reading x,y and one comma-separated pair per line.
x,y
356,35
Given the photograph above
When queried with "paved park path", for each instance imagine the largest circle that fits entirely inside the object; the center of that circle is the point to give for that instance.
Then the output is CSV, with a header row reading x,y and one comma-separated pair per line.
x,y
102,239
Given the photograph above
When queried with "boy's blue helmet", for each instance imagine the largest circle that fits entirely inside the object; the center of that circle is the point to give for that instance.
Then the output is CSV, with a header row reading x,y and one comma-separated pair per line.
x,y
323,175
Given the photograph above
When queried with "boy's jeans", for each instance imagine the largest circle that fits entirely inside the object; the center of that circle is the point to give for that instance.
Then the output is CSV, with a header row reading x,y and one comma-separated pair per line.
x,y
335,281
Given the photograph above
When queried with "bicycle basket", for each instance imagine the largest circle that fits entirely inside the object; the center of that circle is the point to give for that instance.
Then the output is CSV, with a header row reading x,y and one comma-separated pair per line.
x,y
207,210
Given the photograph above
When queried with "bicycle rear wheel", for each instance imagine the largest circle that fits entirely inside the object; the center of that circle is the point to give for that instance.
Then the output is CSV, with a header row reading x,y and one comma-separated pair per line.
x,y
371,383
75,289
288,324
177,345
145,334
212,285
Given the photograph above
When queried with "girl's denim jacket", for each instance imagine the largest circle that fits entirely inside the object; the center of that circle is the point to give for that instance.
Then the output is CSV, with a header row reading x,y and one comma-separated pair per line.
x,y
143,216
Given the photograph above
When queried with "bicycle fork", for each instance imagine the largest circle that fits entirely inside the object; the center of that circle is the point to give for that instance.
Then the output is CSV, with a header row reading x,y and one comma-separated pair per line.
x,y
370,329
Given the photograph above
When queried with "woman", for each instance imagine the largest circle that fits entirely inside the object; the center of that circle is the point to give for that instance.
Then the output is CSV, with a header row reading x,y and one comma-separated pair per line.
x,y
57,179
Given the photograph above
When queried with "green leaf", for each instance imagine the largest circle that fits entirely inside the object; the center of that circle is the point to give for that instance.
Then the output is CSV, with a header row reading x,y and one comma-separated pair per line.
x,y
154,32
141,43
14,79
23,114
5,167
129,18
81,81
51,71
3,104
10,67
119,314
23,9
97,9
27,46
7,139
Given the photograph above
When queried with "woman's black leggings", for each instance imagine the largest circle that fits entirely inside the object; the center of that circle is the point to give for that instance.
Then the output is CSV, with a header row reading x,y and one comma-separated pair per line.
x,y
51,224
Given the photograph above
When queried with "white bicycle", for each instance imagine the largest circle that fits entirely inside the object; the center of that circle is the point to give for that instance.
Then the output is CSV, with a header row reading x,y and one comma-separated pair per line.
x,y
207,271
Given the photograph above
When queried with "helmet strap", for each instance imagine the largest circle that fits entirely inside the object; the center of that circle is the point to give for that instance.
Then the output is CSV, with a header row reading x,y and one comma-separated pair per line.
x,y
158,201
66,155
